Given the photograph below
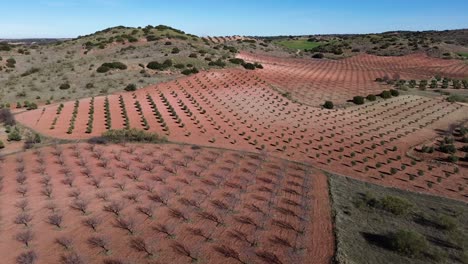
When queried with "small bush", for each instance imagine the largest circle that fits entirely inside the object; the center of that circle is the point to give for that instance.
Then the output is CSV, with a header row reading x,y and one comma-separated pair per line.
x,y
190,71
237,61
328,105
318,56
15,135
130,88
132,135
105,67
408,243
386,94
395,205
64,86
359,100
394,92
371,97
249,66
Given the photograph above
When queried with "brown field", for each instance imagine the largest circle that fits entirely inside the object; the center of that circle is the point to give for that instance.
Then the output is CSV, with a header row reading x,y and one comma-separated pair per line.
x,y
313,81
163,204
243,177
234,109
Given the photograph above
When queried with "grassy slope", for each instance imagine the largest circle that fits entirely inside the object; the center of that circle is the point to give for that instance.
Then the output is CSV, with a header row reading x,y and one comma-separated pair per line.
x,y
442,44
300,44
360,228
66,63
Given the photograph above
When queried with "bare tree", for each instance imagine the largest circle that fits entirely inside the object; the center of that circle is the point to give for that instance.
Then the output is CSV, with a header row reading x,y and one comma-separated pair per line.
x,y
99,242
28,257
164,230
65,242
23,219
146,210
23,205
178,214
243,237
68,181
80,205
199,232
71,258
25,237
56,220
92,222
248,221
158,199
47,191
23,190
228,252
114,207
211,217
268,257
182,250
75,193
126,224
103,196
140,245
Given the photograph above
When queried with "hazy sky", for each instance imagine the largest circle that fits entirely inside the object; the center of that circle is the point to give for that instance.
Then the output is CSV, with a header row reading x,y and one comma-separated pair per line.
x,y
70,18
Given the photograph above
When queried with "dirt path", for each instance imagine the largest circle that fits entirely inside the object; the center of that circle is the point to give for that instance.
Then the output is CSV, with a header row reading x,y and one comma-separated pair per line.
x,y
321,227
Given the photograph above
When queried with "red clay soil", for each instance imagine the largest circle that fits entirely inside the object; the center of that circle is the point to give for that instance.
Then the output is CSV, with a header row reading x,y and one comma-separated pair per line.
x,y
235,109
313,81
162,204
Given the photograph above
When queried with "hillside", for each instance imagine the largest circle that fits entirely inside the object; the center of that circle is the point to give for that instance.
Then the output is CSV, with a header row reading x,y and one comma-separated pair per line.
x,y
446,44
69,69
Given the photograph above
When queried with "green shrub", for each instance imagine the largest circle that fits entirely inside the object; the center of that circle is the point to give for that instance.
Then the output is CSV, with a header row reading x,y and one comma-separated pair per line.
x,y
328,105
64,86
408,243
394,92
249,66
359,100
132,135
175,50
190,71
105,67
102,69
385,94
31,106
2,145
152,38
371,97
218,63
237,61
395,205
14,135
131,87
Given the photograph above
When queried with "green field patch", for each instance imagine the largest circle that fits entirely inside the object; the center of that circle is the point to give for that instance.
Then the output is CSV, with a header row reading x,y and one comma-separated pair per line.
x,y
301,44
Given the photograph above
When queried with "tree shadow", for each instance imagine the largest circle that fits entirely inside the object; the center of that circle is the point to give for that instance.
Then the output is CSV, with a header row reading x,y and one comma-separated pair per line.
x,y
381,241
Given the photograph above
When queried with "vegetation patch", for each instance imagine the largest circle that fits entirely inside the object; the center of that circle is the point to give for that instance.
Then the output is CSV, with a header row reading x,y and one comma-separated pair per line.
x,y
376,224
132,135
298,44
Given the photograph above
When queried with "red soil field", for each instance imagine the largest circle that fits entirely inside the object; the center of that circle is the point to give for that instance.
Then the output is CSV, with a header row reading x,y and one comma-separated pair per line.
x,y
235,109
162,204
313,81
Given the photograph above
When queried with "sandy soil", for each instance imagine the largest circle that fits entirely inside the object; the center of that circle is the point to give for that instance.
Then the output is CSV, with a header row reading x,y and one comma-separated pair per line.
x,y
259,205
236,109
313,81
